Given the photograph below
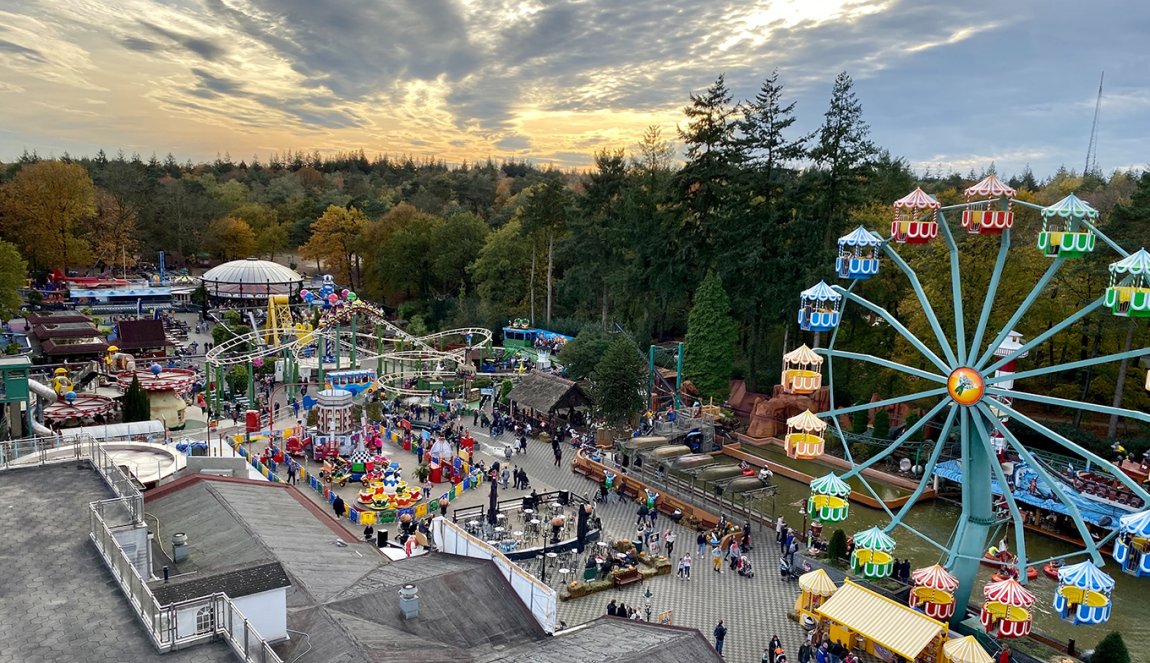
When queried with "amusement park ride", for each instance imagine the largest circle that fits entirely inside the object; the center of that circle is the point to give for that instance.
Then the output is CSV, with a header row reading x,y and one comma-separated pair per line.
x,y
974,397
350,335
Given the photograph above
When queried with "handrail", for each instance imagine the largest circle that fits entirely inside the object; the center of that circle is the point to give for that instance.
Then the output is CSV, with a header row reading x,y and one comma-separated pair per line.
x,y
159,621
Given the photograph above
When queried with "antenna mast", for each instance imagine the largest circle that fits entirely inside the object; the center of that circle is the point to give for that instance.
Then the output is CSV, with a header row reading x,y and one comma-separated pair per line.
x,y
1091,155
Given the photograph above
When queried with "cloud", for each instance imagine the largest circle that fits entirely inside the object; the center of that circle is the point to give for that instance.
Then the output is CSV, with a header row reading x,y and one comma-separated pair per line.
x,y
461,79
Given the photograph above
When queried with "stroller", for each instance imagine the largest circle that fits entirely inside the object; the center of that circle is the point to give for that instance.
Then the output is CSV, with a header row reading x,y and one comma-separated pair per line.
x,y
745,568
787,571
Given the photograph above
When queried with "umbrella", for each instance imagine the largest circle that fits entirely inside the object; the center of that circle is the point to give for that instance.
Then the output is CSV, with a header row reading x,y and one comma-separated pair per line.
x,y
493,503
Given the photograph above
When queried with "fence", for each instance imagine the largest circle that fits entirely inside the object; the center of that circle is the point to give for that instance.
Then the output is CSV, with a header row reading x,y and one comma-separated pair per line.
x,y
125,512
540,599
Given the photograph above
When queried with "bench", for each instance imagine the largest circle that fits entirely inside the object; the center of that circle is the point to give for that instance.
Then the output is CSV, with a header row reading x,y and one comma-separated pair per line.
x,y
626,577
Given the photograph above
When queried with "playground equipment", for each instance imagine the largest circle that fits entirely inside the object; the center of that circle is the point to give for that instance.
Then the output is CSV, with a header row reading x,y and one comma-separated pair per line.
x,y
1006,609
971,389
61,383
933,591
872,554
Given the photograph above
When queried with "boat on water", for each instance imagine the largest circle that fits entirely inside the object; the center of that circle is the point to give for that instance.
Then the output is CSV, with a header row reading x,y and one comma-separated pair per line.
x,y
1101,488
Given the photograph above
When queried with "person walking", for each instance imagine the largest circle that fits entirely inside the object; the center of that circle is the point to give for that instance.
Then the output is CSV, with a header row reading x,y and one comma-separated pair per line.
x,y
774,648
338,507
720,636
780,527
701,544
717,559
558,456
805,652
685,567
669,542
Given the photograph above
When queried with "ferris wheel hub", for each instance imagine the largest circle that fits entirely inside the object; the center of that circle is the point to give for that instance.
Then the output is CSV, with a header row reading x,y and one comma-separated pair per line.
x,y
966,386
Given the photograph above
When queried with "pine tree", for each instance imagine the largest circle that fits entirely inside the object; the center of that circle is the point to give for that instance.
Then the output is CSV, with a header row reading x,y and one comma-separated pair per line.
x,y
712,170
136,405
709,356
1112,649
620,381
881,424
842,154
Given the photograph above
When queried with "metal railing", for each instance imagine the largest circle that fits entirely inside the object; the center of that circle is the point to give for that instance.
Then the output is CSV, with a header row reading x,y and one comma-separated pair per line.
x,y
172,626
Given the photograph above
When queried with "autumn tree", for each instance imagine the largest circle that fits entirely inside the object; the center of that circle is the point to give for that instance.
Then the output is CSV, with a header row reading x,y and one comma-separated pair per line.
x,y
112,232
44,207
335,241
13,272
231,238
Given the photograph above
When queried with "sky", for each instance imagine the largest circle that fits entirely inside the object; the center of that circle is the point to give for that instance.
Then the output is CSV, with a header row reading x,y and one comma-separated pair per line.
x,y
945,85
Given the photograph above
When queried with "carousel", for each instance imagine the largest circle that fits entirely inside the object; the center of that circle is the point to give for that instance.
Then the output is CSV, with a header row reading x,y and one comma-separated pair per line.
x,y
383,486
79,409
1063,229
165,388
1083,594
915,218
819,308
802,372
1129,291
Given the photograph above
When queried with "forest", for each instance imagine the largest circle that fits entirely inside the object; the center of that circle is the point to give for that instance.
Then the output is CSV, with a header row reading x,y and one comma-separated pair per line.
x,y
737,206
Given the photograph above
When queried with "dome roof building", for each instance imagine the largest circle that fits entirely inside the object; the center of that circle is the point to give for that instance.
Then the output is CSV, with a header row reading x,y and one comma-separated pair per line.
x,y
251,278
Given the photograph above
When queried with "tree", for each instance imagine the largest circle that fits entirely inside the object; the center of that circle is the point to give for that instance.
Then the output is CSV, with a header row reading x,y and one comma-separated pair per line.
x,y
231,238
842,154
545,214
136,405
583,353
712,168
593,252
620,380
112,233
500,271
335,240
43,208
1112,649
858,422
837,546
272,239
457,242
709,356
881,424
13,272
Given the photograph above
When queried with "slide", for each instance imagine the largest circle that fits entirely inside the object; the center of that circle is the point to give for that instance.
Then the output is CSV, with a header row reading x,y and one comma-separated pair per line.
x,y
47,396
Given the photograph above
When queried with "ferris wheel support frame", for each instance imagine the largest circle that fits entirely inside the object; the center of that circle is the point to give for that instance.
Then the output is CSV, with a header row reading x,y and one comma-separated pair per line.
x,y
966,546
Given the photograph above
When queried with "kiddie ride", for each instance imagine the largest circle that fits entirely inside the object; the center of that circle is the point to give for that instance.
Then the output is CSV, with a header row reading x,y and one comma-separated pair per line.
x,y
384,489
973,396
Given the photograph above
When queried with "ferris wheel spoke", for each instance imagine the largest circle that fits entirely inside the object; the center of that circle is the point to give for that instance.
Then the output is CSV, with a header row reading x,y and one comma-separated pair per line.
x,y
1022,309
1011,505
894,445
991,291
898,326
1041,338
886,363
1069,366
923,301
1065,402
935,454
1076,448
905,398
955,290
1055,487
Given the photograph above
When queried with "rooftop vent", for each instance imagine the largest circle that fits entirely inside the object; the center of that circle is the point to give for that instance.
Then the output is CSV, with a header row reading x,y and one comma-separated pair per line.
x,y
409,602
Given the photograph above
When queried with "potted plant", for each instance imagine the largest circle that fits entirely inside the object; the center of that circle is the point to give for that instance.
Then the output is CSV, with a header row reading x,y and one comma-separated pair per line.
x,y
422,472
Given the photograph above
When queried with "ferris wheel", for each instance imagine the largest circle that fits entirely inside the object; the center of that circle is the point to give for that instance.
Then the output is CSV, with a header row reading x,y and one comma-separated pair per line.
x,y
972,391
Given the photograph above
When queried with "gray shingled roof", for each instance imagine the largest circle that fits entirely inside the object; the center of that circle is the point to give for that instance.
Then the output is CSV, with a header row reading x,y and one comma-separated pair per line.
x,y
615,640
242,581
546,393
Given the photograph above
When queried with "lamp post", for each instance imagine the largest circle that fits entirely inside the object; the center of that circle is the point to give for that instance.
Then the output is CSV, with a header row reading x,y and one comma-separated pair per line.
x,y
647,603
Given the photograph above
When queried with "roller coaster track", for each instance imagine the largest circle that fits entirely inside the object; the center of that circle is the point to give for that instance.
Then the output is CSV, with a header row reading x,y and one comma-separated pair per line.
x,y
449,363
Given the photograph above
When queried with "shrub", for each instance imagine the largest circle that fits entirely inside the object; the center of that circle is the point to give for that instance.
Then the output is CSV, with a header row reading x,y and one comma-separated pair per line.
x,y
1112,649
837,546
